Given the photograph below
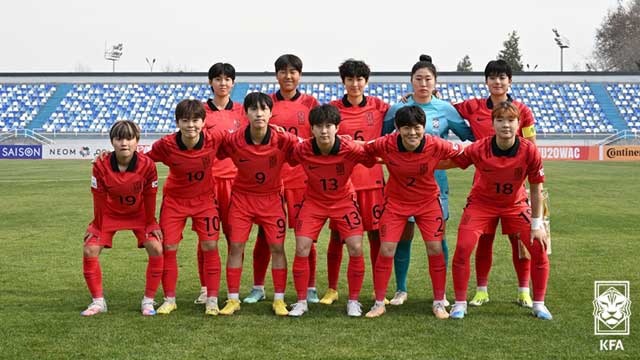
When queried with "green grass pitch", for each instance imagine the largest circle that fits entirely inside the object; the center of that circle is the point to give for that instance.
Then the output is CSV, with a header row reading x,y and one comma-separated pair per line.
x,y
45,207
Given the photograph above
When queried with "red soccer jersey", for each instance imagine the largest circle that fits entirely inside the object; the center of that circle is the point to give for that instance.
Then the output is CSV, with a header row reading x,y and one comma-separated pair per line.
x,y
500,174
259,166
231,119
328,177
363,122
411,178
124,200
478,113
190,172
293,115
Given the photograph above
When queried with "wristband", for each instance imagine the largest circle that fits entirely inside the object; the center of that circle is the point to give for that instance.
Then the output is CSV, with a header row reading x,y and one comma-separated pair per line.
x,y
536,223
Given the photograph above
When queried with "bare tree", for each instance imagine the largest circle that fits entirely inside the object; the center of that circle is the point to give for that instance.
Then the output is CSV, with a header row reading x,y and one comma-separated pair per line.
x,y
464,65
617,45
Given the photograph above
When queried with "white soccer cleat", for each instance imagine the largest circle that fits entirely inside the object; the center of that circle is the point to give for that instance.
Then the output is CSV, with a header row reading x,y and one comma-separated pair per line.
x,y
147,307
202,298
298,309
399,298
354,308
541,312
98,306
458,311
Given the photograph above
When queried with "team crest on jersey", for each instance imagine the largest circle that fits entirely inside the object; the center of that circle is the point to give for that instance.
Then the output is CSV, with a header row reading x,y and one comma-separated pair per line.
x,y
236,124
541,171
340,169
435,123
137,186
369,118
517,173
206,162
301,119
273,161
423,169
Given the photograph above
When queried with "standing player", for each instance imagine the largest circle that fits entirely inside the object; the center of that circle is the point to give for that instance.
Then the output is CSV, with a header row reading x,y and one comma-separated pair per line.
x,y
328,160
411,158
259,151
362,118
189,192
221,114
290,111
498,78
124,186
441,117
503,162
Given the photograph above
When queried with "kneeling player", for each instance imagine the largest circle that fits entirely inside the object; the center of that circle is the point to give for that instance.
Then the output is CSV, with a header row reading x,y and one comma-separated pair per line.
x,y
189,193
328,160
124,186
503,162
258,151
411,157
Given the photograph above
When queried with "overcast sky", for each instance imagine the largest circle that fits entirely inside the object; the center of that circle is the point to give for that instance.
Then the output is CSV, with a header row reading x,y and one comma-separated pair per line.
x,y
191,35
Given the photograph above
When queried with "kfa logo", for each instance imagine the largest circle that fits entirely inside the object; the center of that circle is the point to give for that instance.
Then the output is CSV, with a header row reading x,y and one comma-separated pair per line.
x,y
611,308
301,119
369,118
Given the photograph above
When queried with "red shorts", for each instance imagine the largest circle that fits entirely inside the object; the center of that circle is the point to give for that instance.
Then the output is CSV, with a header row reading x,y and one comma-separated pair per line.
x,y
106,238
294,198
223,195
370,202
428,217
203,211
344,216
265,210
484,219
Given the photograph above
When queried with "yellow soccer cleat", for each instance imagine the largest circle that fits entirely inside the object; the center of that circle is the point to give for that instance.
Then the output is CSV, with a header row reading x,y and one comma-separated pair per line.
x,y
231,307
480,298
524,300
329,297
211,307
280,307
167,307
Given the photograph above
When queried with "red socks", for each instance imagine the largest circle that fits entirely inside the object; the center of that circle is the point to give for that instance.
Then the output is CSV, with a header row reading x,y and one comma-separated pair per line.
x,y
522,266
438,273
93,275
261,257
313,256
484,258
233,279
334,259
201,267
279,280
211,265
154,275
381,274
301,276
355,276
467,240
170,273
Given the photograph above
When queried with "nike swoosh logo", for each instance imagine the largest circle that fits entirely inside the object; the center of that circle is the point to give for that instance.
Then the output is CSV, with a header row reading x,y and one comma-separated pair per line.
x,y
243,160
311,167
211,234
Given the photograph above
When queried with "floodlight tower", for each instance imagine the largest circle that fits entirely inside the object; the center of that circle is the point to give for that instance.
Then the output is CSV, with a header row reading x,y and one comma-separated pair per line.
x,y
113,54
563,43
150,63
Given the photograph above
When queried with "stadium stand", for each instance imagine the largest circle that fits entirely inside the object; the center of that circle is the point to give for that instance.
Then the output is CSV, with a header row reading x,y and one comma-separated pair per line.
x,y
562,108
626,97
20,103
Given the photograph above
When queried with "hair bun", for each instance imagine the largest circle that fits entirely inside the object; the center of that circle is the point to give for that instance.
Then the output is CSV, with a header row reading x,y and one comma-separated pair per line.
x,y
426,58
